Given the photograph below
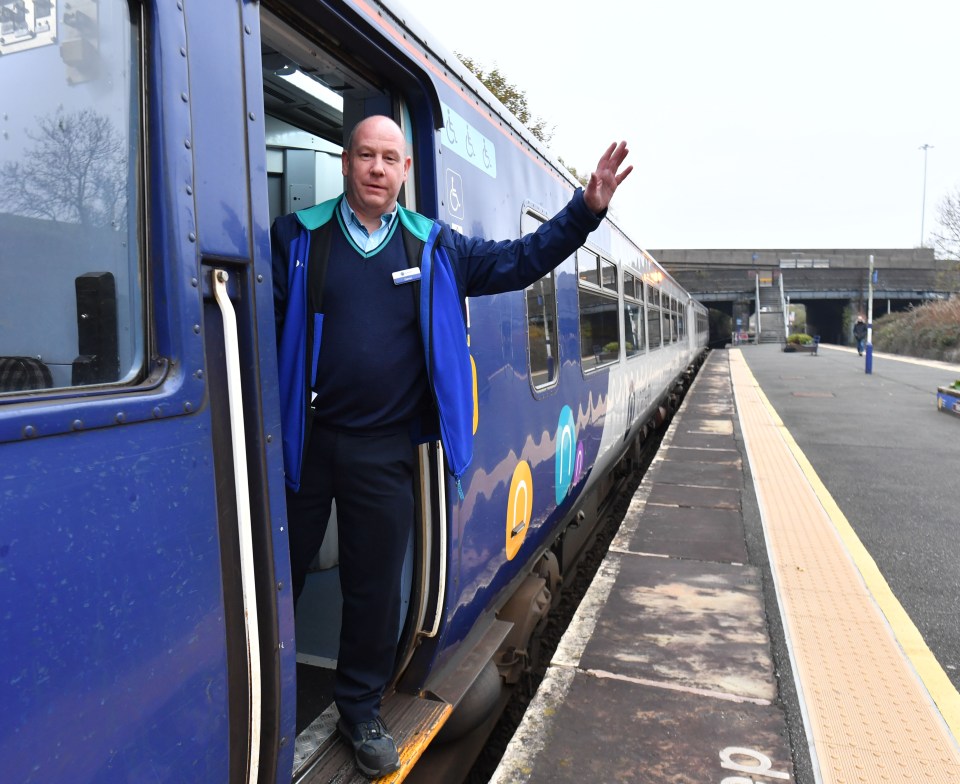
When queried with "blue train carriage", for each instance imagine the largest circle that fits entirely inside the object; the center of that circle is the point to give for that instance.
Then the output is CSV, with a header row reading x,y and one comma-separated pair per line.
x,y
146,624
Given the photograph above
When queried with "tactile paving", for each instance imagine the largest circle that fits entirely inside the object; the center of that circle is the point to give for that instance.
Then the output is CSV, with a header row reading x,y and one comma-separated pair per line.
x,y
870,718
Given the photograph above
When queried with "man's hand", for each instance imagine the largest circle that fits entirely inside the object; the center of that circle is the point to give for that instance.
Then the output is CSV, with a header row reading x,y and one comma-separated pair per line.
x,y
605,179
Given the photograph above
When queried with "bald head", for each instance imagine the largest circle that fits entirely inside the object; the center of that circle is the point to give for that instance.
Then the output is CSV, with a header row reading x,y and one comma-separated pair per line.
x,y
381,123
375,166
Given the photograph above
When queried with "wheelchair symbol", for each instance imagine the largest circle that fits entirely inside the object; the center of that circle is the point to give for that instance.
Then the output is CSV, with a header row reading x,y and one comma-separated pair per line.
x,y
454,194
451,133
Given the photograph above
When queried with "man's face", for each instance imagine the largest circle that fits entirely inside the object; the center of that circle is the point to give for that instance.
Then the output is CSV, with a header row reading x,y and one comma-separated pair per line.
x,y
375,168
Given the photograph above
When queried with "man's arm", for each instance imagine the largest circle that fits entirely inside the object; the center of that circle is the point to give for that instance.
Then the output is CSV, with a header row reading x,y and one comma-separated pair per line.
x,y
488,267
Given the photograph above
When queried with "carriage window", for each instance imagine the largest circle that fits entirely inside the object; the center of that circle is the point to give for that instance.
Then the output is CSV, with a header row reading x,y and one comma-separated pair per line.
x,y
632,315
653,317
588,267
70,269
599,323
667,319
542,344
608,273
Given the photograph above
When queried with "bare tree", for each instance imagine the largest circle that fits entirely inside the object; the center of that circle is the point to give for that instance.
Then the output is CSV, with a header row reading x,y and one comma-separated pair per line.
x,y
947,238
75,172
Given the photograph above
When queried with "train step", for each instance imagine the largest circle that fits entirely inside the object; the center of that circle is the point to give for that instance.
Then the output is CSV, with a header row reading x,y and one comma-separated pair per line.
x,y
413,721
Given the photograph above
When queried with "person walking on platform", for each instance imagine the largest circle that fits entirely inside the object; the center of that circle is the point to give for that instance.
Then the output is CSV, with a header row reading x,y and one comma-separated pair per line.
x,y
393,368
860,334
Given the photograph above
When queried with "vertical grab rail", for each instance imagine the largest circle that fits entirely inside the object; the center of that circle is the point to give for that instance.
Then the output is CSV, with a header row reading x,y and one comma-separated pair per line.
x,y
252,627
433,627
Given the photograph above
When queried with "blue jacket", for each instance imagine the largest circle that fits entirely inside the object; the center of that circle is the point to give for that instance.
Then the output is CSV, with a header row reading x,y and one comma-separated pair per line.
x,y
452,268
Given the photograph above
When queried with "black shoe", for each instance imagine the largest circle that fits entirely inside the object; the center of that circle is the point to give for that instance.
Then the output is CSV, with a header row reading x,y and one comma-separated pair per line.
x,y
374,747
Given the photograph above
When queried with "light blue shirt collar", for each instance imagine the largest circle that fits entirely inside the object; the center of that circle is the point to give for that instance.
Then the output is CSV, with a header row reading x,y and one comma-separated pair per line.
x,y
358,232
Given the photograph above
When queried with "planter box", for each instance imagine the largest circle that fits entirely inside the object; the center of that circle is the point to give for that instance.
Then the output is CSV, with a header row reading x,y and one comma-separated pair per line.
x,y
948,400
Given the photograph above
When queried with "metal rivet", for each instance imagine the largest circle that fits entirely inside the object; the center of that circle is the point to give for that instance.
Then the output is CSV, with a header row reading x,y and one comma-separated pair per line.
x,y
120,418
196,329
247,30
186,143
199,374
77,424
189,191
188,406
157,412
183,51
269,439
280,585
259,278
194,282
29,431
252,116
192,237
183,97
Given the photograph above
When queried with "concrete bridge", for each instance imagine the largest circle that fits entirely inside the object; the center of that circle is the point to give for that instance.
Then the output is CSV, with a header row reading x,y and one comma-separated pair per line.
x,y
832,284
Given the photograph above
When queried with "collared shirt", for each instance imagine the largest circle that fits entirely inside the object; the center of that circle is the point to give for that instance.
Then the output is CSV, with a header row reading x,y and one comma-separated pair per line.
x,y
358,232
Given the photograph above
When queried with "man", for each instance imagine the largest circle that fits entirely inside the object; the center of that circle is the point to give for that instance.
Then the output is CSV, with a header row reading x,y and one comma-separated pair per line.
x,y
860,334
385,287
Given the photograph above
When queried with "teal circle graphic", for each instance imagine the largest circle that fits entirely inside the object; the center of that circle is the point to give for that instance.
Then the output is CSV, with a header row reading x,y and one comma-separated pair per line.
x,y
566,456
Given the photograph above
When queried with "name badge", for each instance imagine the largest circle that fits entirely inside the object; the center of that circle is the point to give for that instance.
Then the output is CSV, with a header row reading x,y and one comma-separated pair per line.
x,y
406,276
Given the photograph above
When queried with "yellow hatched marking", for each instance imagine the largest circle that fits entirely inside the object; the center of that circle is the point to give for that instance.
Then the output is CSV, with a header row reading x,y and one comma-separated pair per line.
x,y
870,718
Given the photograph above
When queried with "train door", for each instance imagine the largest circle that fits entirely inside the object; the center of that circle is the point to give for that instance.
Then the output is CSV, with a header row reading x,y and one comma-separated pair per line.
x,y
321,76
129,644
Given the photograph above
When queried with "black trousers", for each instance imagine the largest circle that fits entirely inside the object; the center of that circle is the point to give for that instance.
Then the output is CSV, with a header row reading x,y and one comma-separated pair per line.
x,y
371,478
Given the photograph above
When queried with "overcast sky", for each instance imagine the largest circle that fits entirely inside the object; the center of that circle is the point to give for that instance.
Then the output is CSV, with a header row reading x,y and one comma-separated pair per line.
x,y
751,124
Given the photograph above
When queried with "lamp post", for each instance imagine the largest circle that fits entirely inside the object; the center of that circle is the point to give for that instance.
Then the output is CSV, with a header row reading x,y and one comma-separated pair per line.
x,y
923,208
868,365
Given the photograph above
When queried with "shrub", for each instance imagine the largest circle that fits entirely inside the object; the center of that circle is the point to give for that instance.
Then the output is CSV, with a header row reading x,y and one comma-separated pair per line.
x,y
800,338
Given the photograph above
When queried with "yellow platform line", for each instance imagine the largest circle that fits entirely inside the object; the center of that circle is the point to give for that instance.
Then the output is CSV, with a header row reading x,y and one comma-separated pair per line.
x,y
878,707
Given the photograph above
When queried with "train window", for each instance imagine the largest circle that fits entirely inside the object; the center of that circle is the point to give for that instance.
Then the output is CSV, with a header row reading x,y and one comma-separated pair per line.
x,y
653,296
633,343
667,319
608,275
653,318
542,343
71,302
542,331
599,323
588,267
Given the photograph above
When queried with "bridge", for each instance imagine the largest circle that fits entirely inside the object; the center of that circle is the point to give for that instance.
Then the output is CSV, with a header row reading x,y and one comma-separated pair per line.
x,y
832,284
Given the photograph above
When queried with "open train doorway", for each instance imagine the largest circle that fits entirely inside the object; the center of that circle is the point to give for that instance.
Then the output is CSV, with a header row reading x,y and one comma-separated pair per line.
x,y
318,83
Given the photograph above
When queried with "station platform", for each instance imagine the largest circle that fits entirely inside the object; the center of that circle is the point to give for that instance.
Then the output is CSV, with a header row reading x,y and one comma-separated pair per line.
x,y
780,603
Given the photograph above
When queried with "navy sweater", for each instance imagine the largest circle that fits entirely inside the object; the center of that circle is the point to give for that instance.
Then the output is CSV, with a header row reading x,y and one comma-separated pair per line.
x,y
371,374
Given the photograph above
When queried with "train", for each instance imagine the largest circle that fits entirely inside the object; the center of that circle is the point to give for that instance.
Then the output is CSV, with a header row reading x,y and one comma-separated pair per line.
x,y
147,629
